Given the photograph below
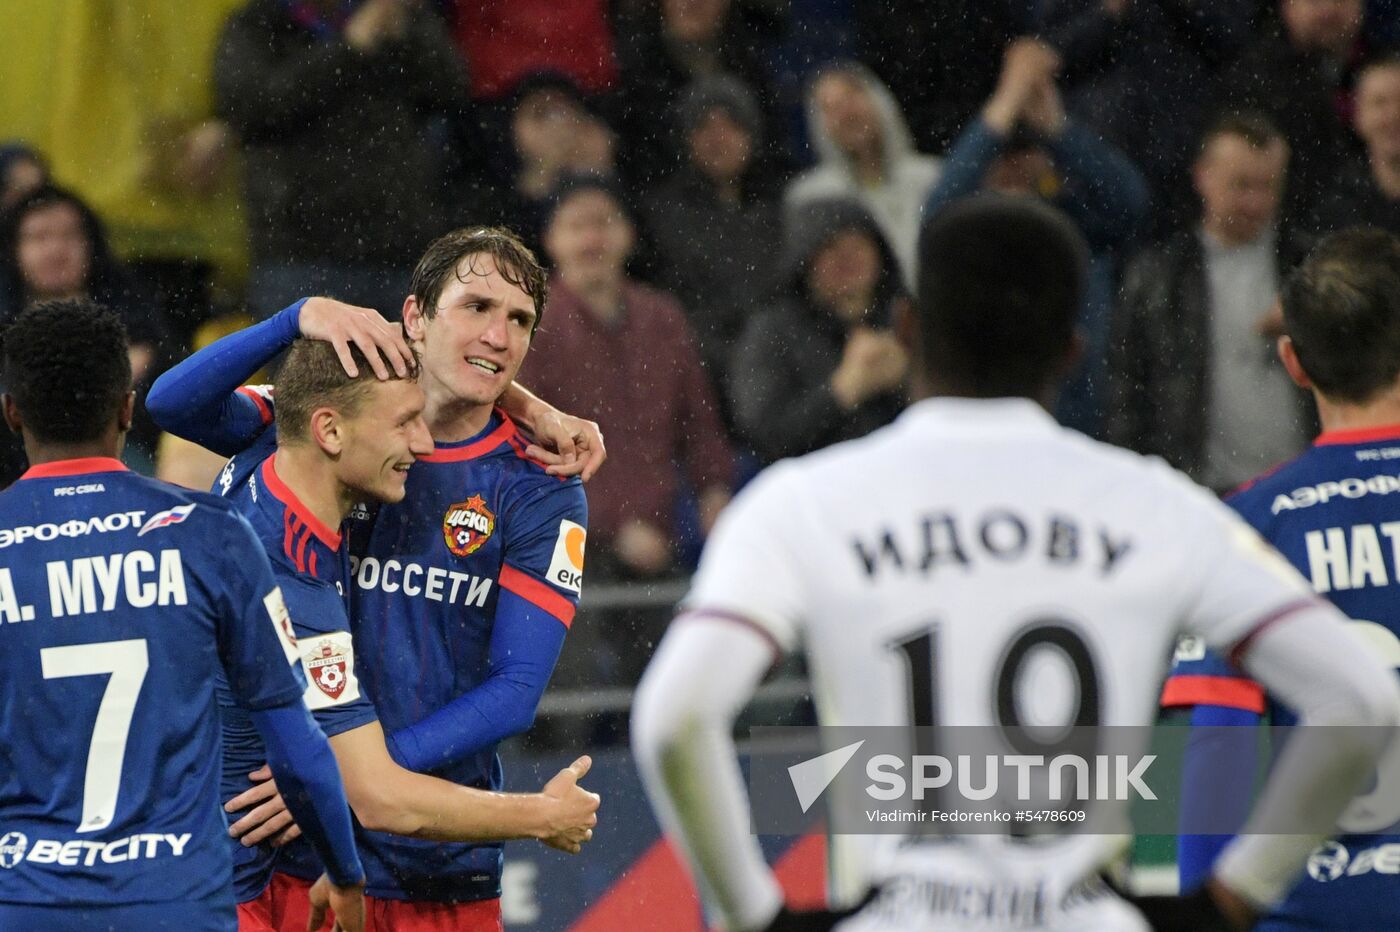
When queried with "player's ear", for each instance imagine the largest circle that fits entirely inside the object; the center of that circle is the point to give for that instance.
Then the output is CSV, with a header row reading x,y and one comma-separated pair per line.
x,y
412,318
1289,354
11,411
328,431
127,412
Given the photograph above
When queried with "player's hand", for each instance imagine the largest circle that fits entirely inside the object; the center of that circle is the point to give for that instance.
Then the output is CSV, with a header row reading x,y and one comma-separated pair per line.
x,y
572,811
341,324
577,444
268,818
347,903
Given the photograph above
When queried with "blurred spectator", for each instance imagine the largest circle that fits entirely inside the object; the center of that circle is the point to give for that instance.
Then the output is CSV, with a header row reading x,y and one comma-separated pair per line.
x,y
504,41
821,364
334,104
865,153
1367,192
1194,377
617,351
53,246
554,132
938,57
123,112
714,222
1300,75
663,45
21,171
1023,144
1146,75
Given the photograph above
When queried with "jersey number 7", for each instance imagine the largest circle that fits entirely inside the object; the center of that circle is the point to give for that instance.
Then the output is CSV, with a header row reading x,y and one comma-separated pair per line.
x,y
127,663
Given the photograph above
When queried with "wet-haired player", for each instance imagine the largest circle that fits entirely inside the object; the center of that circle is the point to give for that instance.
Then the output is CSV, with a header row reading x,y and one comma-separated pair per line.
x,y
985,532
339,441
462,592
123,601
1334,513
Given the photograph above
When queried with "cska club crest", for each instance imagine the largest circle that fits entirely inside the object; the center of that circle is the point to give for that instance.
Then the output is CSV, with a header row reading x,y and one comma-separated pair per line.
x,y
328,670
467,525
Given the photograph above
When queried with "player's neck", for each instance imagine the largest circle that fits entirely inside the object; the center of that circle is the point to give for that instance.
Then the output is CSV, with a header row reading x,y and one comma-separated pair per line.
x,y
310,476
450,418
40,452
1381,411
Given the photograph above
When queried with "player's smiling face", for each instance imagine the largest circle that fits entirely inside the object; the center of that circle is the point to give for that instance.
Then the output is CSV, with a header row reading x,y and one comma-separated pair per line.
x,y
383,439
472,347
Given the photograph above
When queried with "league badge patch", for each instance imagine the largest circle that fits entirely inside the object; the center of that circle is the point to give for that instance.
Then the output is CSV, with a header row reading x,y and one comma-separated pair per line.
x,y
467,525
327,667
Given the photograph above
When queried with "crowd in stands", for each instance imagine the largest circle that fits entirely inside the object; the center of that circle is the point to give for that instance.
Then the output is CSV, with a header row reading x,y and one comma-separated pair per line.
x,y
730,194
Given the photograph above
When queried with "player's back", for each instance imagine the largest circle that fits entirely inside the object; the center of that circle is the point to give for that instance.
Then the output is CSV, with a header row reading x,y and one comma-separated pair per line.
x,y
111,594
976,565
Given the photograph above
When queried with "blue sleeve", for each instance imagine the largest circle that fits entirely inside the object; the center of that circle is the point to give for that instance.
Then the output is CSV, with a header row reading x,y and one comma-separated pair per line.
x,y
966,164
198,399
309,781
1105,192
333,691
525,644
1213,804
256,644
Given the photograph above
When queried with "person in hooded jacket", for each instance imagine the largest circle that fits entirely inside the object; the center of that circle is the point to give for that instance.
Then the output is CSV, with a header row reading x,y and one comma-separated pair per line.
x,y
821,363
864,152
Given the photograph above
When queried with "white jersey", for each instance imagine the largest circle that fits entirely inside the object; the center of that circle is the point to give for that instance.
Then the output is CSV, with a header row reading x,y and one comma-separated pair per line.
x,y
952,548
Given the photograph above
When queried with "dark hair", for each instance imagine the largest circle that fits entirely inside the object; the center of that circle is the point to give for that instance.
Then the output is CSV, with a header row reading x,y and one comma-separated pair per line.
x,y
106,282
514,260
1341,308
66,365
312,377
1253,127
1000,284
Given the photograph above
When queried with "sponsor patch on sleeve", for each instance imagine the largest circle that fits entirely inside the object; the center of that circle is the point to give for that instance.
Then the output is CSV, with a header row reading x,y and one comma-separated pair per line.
x,y
566,567
329,663
282,622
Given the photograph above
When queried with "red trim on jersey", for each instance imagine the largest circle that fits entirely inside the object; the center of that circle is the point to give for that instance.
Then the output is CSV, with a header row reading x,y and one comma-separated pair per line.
x,y
517,444
1227,691
738,619
277,487
312,565
532,590
1236,656
74,467
1358,435
474,449
301,550
263,410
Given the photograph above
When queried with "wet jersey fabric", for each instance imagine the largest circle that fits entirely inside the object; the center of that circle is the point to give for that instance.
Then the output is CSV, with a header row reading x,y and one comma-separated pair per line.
x,y
310,565
481,526
126,606
1334,513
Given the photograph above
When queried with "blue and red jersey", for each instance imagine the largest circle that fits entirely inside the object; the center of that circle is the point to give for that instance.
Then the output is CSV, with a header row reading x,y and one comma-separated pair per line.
x,y
1334,513
481,525
310,565
123,602
461,597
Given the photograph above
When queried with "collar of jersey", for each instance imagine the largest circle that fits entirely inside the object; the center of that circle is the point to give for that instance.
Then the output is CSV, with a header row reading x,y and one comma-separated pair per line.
x,y
978,413
1358,435
288,498
488,440
76,467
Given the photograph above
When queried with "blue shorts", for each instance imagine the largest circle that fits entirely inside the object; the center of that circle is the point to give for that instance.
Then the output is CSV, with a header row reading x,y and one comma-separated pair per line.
x,y
216,915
